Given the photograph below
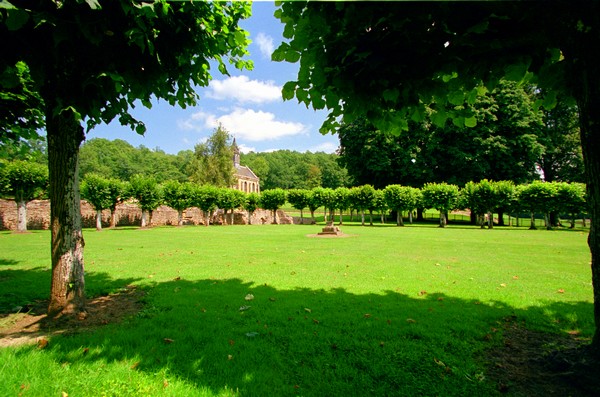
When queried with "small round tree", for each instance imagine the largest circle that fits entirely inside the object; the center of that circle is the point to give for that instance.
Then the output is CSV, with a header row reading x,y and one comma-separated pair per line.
x,y
401,198
251,203
206,198
148,194
24,181
179,196
441,196
362,198
342,201
538,197
229,200
272,200
299,198
117,191
95,189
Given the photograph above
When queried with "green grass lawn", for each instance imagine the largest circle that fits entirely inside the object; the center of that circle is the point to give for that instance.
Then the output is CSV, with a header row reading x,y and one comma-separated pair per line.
x,y
386,311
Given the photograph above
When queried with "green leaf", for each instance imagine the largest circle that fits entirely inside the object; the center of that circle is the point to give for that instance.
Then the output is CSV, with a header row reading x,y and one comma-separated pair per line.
x,y
16,19
447,77
456,98
458,121
517,72
94,4
292,56
288,90
472,97
280,52
317,102
140,128
302,96
391,95
549,101
417,115
439,118
470,122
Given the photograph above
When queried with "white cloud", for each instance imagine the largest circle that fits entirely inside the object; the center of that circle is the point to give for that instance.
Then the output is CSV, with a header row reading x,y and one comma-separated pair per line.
x,y
265,44
327,147
246,149
245,124
243,90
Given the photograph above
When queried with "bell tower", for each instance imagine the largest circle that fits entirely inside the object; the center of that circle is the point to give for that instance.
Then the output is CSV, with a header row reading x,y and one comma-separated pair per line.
x,y
236,154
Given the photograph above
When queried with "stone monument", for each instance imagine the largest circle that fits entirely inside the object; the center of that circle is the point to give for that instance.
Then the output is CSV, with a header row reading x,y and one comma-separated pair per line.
x,y
330,230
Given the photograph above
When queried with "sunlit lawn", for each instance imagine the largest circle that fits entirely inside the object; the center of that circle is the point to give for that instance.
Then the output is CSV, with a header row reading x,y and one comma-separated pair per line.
x,y
385,311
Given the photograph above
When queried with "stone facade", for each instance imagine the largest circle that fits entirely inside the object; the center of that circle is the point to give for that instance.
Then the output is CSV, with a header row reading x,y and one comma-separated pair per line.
x,y
128,214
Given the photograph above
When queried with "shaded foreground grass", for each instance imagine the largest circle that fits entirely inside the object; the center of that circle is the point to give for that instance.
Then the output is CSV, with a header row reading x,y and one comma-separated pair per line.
x,y
388,311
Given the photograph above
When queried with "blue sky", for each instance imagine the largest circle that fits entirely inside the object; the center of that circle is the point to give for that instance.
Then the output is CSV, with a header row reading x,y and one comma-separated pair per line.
x,y
248,104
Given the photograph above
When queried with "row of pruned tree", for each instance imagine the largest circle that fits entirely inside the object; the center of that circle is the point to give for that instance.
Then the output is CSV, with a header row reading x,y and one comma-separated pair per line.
x,y
25,181
106,193
483,199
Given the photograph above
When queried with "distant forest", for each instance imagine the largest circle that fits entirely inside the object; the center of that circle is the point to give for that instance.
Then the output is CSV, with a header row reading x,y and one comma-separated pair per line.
x,y
279,169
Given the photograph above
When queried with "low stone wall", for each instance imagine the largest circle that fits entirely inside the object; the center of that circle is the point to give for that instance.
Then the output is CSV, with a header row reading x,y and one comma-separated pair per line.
x,y
128,214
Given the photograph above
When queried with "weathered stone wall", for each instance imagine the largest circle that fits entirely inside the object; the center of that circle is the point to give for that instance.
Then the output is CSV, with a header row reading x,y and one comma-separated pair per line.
x,y
128,214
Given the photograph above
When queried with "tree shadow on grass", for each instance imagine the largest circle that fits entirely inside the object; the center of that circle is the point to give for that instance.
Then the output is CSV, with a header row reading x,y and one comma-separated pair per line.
x,y
219,336
27,291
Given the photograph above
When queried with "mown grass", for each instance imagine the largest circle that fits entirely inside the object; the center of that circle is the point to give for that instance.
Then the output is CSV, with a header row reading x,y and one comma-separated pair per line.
x,y
386,311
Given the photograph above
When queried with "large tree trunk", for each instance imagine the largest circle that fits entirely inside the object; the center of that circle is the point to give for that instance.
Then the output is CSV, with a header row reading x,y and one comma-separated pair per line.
x,y
64,134
179,217
587,92
21,215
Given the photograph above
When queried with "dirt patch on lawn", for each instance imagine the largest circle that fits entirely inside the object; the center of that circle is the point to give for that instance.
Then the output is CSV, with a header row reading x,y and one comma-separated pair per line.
x,y
34,326
532,363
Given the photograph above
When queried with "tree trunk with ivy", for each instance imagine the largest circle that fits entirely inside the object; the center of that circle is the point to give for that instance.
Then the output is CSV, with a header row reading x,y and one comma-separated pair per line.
x,y
67,293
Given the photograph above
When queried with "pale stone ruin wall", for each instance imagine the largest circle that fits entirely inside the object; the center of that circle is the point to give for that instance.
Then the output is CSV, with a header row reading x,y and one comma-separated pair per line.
x,y
128,214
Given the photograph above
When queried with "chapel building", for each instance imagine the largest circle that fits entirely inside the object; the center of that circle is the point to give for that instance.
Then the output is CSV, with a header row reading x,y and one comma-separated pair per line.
x,y
246,180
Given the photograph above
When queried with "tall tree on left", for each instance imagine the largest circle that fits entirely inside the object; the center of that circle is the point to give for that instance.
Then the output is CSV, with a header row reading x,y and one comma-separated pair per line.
x,y
92,61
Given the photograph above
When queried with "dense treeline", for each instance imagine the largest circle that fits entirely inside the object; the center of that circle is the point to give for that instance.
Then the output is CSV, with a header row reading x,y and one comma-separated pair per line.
x,y
119,159
286,169
279,169
513,139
